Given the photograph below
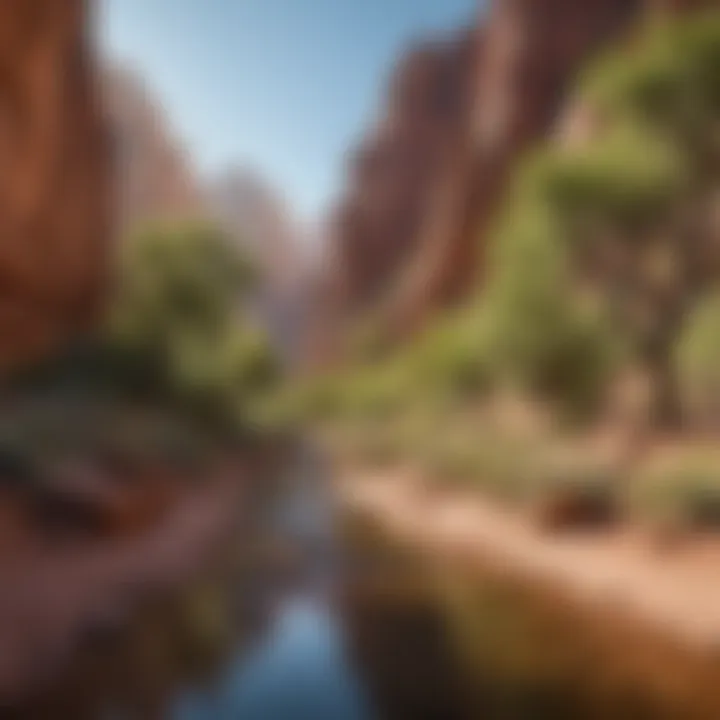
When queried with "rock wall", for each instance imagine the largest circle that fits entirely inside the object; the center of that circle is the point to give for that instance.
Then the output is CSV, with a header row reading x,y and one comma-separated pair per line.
x,y
56,194
393,173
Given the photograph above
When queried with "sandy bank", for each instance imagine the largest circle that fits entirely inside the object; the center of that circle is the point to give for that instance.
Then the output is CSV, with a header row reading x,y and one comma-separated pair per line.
x,y
675,592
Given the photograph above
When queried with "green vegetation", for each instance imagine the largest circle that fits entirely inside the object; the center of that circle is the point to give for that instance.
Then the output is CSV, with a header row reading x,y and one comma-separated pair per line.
x,y
551,341
681,492
698,358
178,323
177,372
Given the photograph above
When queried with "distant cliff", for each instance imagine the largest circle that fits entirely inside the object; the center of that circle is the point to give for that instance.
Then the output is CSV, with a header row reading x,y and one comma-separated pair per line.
x,y
155,174
256,215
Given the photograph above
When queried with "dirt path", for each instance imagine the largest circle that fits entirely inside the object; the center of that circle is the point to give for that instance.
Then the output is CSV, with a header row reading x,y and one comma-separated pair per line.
x,y
677,593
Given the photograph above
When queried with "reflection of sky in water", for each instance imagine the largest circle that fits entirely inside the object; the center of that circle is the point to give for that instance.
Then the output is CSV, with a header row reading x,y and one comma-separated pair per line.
x,y
299,673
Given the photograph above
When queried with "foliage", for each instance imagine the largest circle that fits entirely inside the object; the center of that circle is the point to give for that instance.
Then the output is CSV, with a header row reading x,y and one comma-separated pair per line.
x,y
177,328
698,356
624,177
546,340
454,358
683,491
627,219
670,81
449,364
498,464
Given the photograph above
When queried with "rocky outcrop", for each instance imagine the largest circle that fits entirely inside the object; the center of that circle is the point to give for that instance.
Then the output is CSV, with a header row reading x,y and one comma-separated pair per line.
x,y
155,176
55,179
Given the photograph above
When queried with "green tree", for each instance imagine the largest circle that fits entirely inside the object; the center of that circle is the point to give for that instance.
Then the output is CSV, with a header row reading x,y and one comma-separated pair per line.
x,y
698,360
178,319
546,338
633,211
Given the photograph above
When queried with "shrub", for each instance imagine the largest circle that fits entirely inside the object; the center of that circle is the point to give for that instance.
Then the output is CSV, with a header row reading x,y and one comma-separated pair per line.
x,y
494,463
546,340
176,331
683,491
454,358
698,358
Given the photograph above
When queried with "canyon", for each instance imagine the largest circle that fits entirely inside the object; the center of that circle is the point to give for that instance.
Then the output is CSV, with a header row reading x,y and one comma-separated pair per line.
x,y
425,185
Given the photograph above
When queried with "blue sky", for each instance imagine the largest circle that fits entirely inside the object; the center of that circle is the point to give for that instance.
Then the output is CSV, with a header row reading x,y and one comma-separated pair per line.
x,y
284,86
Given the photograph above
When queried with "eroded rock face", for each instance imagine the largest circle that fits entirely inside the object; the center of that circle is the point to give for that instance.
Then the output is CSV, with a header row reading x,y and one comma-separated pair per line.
x,y
393,173
56,196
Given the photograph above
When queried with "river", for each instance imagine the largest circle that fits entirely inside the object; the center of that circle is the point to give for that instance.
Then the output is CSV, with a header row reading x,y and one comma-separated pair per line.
x,y
315,614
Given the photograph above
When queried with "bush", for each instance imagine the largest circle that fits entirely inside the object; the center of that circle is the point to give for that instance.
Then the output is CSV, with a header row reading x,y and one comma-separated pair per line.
x,y
377,391
175,330
670,80
682,492
546,339
494,463
454,358
698,359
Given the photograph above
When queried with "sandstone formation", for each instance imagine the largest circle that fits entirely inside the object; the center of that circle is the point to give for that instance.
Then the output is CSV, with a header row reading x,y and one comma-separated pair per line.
x,y
55,178
393,174
155,176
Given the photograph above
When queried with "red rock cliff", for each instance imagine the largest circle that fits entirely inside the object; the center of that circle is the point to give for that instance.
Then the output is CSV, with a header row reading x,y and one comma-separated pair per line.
x,y
55,180
393,173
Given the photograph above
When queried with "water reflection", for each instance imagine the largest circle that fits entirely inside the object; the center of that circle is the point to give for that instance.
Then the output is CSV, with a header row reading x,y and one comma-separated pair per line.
x,y
300,671
317,615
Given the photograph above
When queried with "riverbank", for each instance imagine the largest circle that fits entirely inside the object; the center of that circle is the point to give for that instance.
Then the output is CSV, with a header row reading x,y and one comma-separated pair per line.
x,y
53,598
674,592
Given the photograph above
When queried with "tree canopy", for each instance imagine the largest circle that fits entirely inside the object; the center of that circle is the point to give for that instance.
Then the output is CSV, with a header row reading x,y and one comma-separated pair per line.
x,y
629,217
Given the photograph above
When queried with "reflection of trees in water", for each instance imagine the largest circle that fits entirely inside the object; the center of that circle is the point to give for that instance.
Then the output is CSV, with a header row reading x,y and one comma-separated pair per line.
x,y
398,641
395,629
174,643
426,641
443,640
